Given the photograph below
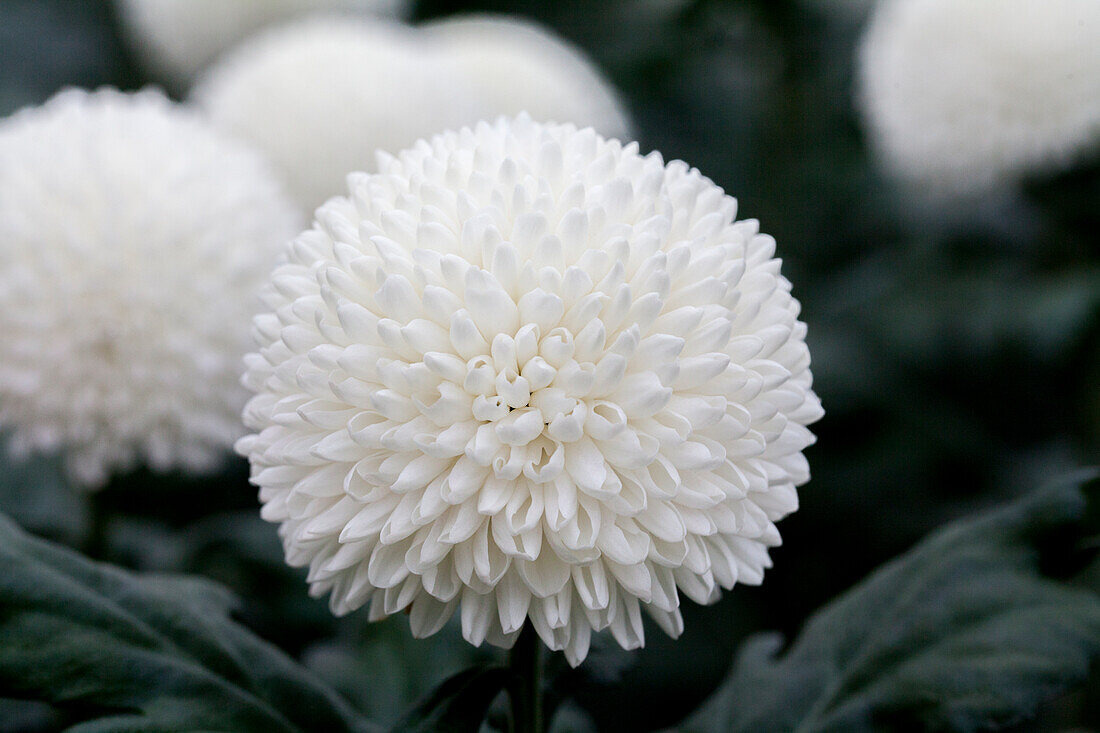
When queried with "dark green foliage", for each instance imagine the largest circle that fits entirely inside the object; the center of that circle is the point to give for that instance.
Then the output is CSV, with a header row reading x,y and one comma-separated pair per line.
x,y
46,45
116,651
36,495
456,706
382,670
964,632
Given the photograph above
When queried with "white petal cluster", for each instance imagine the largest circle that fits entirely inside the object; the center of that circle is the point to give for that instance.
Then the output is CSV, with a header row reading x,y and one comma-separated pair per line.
x,y
180,37
132,240
524,372
962,97
322,95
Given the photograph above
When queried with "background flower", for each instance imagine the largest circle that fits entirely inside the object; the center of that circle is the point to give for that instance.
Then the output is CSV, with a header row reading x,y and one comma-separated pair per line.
x,y
180,37
525,372
320,96
132,240
965,96
514,66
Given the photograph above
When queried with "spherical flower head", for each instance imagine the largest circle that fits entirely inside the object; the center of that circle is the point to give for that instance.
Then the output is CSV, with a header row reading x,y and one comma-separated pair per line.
x,y
132,240
524,372
963,97
515,66
320,96
179,38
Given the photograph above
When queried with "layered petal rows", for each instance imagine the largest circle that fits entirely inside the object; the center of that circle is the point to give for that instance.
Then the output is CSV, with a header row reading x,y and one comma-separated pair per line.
x,y
526,373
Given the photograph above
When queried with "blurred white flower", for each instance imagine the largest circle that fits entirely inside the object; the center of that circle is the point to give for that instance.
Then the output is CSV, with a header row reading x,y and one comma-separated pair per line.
x,y
321,96
515,66
133,238
963,97
180,37
525,372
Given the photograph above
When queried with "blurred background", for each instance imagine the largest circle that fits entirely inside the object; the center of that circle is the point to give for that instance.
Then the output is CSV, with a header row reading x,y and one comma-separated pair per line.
x,y
955,344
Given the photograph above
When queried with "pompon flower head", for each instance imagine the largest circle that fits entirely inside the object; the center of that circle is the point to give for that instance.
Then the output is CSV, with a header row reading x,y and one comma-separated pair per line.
x,y
180,37
524,372
320,96
962,97
132,240
513,65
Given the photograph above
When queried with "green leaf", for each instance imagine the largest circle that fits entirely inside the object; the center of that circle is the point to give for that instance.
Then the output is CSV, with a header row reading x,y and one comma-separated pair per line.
x,y
384,671
35,493
118,651
458,705
963,632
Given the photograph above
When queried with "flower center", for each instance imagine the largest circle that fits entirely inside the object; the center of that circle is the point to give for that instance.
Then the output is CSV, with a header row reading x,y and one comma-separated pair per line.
x,y
530,391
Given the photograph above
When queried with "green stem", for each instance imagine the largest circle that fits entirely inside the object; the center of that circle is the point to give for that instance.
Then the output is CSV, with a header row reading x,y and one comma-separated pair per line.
x,y
525,661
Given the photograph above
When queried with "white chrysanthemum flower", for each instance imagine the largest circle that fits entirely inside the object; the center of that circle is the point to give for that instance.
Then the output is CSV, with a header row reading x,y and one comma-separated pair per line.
x,y
526,373
515,66
132,240
180,37
964,96
322,95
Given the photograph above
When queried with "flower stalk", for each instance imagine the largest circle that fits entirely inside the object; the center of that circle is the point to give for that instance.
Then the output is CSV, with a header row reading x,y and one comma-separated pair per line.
x,y
525,693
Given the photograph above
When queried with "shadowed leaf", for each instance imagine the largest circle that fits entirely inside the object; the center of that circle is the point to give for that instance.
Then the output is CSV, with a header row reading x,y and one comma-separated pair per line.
x,y
963,632
124,652
458,705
